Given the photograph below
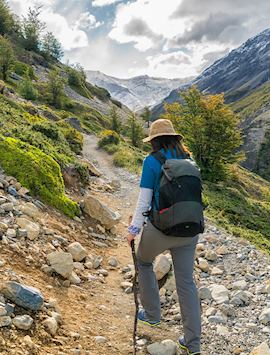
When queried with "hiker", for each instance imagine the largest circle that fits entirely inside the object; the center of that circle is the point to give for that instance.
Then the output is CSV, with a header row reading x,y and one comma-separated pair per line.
x,y
166,144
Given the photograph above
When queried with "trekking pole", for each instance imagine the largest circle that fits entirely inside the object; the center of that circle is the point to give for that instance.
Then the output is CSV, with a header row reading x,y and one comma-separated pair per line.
x,y
136,301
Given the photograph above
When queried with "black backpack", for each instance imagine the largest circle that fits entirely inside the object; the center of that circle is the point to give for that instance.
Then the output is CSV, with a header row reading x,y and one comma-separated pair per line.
x,y
179,211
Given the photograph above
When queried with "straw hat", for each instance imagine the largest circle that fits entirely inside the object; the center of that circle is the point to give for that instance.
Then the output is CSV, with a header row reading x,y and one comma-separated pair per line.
x,y
161,127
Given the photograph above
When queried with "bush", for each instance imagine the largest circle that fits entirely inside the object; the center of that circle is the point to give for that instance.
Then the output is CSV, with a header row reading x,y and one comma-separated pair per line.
x,y
108,137
74,139
27,90
36,171
24,70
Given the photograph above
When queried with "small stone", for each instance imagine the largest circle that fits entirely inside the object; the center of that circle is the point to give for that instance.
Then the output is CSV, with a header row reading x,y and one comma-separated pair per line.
x,y
221,330
219,293
216,271
203,265
5,321
3,311
239,285
51,325
11,233
74,278
166,347
77,251
33,229
262,349
100,339
217,319
210,255
162,266
205,293
112,261
223,250
126,284
23,322
264,317
7,207
30,210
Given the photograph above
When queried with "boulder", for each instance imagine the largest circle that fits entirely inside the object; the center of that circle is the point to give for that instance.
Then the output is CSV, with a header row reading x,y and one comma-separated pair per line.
x,y
162,266
91,167
23,322
33,229
166,347
30,210
22,295
97,210
262,349
219,293
77,251
61,262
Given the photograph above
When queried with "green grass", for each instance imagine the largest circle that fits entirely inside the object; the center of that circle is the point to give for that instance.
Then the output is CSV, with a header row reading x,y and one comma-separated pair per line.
x,y
241,205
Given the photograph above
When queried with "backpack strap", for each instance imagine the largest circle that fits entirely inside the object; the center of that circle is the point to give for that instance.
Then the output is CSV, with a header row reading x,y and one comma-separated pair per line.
x,y
160,157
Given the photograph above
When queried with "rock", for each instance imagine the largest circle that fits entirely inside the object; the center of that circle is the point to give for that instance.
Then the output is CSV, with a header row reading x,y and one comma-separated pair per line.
x,y
100,244
61,262
97,210
100,340
166,347
11,233
23,191
3,311
217,319
221,330
205,293
112,261
77,251
30,210
93,170
5,321
7,207
262,349
33,229
210,255
239,285
223,250
216,271
219,293
22,295
51,325
203,265
266,287
162,266
240,298
74,279
23,322
264,317
126,284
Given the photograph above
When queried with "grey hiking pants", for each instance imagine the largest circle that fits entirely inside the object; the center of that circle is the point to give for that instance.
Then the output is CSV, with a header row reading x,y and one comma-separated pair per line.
x,y
153,242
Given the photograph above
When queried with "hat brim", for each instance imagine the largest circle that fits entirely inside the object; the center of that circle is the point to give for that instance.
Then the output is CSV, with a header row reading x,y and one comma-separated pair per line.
x,y
148,139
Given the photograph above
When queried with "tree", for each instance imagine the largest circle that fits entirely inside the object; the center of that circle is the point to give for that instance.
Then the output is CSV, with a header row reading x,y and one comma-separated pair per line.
x,y
51,47
32,28
6,57
146,116
210,129
115,121
135,131
56,84
27,89
7,21
76,75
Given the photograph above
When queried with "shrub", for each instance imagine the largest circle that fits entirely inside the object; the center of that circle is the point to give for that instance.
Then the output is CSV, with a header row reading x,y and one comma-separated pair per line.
x,y
24,70
36,171
108,137
27,90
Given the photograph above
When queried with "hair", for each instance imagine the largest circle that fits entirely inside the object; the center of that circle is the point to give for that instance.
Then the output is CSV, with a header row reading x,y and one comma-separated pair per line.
x,y
170,143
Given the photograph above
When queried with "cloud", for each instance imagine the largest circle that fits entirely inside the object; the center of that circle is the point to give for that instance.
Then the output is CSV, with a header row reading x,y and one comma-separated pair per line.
x,y
99,3
87,21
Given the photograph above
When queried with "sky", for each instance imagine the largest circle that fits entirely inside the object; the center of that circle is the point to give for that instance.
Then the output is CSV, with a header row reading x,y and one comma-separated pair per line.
x,y
172,39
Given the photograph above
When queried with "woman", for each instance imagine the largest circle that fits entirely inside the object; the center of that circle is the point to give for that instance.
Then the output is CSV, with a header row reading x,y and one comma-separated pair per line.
x,y
153,242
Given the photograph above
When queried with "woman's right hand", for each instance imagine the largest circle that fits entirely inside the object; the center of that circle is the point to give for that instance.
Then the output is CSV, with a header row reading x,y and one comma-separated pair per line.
x,y
130,237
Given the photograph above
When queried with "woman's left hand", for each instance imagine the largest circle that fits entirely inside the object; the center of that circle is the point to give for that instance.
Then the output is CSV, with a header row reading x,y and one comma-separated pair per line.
x,y
130,237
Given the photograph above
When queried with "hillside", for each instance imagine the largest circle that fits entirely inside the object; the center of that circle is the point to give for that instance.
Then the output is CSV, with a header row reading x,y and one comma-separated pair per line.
x,y
137,92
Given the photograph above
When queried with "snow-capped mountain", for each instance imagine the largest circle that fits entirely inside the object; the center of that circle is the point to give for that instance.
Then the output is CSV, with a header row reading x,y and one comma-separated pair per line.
x,y
136,92
237,74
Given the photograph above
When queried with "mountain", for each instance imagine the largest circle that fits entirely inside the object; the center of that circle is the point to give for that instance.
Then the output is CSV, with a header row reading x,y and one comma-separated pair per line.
x,y
136,92
237,74
244,76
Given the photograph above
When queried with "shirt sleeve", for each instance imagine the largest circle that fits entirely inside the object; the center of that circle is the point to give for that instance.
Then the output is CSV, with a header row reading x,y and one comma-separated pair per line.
x,y
143,205
148,176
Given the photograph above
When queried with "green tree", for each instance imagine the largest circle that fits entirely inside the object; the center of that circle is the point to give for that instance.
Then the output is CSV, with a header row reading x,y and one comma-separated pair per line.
x,y
56,84
76,75
32,28
27,89
6,57
115,121
51,47
7,21
135,131
146,116
210,129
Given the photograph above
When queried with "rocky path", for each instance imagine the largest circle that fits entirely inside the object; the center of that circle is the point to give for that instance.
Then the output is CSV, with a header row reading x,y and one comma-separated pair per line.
x,y
82,273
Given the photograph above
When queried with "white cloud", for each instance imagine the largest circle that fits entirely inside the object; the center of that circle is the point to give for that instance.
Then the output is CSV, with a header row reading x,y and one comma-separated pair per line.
x,y
70,36
87,21
99,3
